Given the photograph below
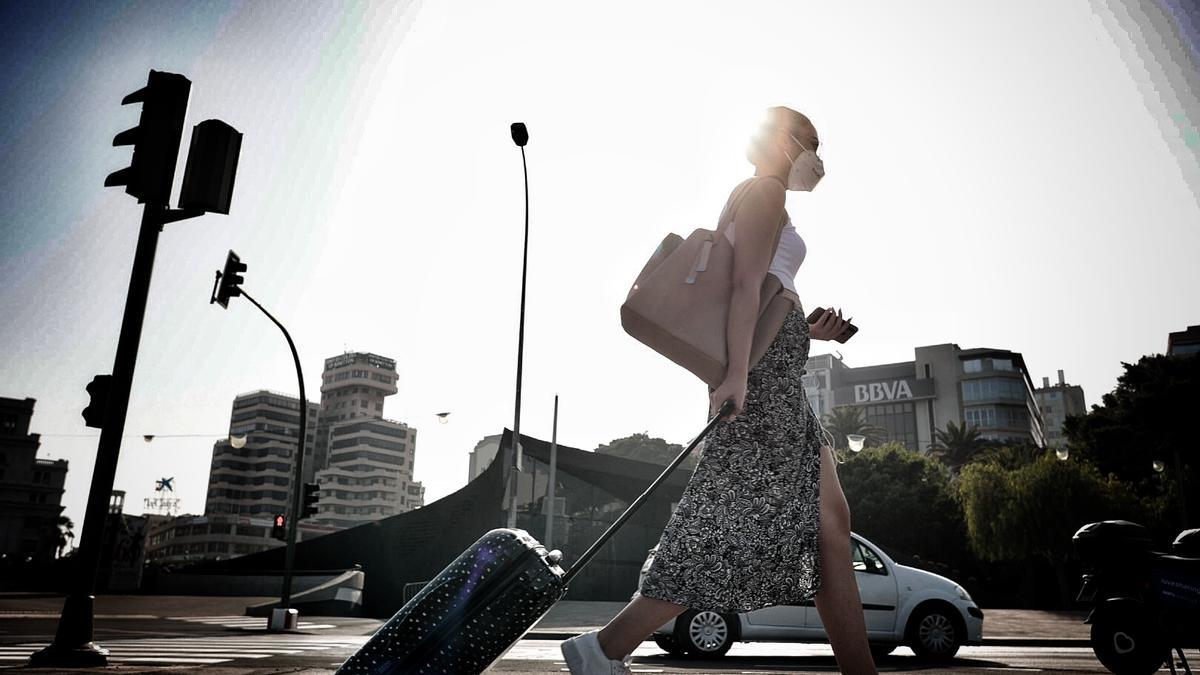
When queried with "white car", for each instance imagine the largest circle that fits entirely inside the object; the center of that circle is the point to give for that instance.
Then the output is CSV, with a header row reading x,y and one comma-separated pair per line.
x,y
902,606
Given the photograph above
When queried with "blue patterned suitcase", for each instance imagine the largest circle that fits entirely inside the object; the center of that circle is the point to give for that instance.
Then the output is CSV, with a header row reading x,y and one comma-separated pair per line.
x,y
477,608
471,613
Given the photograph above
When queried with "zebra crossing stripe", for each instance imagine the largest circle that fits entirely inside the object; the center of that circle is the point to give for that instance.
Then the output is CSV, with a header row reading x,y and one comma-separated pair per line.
x,y
196,651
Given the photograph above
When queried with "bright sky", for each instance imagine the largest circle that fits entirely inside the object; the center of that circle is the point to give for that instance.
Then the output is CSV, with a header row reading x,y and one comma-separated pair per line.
x,y
1018,175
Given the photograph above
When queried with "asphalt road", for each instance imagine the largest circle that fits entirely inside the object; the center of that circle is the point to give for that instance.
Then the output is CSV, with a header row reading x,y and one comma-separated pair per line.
x,y
238,644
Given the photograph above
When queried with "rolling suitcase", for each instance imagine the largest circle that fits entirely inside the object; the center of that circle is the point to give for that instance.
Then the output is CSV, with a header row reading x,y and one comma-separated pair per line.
x,y
476,609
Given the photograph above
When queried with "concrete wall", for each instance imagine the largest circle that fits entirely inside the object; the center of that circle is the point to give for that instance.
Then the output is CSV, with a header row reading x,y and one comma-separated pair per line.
x,y
946,406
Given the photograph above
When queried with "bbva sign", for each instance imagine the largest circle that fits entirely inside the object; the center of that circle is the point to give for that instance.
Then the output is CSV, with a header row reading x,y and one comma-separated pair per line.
x,y
882,391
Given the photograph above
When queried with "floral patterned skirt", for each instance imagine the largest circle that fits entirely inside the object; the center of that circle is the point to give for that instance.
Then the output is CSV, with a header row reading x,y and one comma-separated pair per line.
x,y
744,535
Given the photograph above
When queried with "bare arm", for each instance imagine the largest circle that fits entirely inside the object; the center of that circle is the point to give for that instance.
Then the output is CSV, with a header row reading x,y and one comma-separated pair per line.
x,y
758,217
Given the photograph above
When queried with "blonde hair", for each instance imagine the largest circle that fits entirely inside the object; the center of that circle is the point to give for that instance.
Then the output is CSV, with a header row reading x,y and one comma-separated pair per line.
x,y
795,122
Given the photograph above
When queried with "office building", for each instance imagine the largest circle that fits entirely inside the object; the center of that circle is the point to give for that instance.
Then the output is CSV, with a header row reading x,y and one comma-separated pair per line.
x,y
1056,404
368,461
1184,341
191,538
987,388
31,489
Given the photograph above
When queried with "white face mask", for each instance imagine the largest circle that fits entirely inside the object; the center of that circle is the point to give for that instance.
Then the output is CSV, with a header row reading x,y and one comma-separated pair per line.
x,y
807,169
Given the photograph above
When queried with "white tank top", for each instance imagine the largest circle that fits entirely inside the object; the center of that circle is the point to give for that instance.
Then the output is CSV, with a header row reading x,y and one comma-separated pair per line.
x,y
788,256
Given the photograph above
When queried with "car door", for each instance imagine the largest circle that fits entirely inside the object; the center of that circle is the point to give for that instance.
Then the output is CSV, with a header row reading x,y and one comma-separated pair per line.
x,y
779,621
877,588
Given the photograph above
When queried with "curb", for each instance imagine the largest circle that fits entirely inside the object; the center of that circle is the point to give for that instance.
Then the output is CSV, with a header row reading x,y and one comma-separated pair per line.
x,y
987,642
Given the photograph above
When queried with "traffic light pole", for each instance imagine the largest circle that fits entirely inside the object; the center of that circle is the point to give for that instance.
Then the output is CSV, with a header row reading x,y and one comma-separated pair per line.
x,y
73,641
298,477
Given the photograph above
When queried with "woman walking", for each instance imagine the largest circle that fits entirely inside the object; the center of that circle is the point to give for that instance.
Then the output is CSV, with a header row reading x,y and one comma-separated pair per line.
x,y
763,520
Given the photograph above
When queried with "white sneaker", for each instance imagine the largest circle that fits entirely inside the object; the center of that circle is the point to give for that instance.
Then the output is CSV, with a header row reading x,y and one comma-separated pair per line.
x,y
584,657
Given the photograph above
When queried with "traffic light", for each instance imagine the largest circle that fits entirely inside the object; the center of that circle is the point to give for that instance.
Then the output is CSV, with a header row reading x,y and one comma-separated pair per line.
x,y
211,166
279,529
98,388
229,285
155,139
311,497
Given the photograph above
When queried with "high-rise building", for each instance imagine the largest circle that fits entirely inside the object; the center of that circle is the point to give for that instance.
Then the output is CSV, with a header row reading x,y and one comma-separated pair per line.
x,y
1056,403
986,388
256,478
368,461
248,485
31,489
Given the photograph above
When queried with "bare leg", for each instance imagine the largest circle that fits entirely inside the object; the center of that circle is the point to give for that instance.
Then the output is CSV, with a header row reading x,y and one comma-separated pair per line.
x,y
838,601
634,624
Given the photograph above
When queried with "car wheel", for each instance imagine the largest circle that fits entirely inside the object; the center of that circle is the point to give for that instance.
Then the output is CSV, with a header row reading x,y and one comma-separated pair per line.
x,y
1125,640
668,645
705,633
934,634
880,651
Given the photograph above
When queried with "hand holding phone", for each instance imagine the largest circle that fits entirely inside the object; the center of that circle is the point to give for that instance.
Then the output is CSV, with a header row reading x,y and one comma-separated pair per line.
x,y
825,324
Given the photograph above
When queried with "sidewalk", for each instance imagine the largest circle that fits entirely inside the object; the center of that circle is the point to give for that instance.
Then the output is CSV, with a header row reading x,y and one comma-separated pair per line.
x,y
1009,627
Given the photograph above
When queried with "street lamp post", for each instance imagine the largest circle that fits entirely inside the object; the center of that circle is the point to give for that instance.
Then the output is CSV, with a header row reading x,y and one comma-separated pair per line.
x,y
520,136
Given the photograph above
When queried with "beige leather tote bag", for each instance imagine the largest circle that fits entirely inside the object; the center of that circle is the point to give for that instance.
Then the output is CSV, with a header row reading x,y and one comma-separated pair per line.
x,y
679,303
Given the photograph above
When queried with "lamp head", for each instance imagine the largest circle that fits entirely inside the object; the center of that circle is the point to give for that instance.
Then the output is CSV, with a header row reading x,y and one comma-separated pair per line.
x,y
520,135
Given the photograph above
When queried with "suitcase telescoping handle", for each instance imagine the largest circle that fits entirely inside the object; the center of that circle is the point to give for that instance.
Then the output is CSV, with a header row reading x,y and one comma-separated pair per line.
x,y
726,408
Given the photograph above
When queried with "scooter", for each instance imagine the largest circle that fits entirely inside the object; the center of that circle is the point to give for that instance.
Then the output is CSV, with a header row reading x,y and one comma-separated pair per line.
x,y
1145,602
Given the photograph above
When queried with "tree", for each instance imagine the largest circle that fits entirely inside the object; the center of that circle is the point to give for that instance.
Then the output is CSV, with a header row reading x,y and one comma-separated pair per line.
x,y
1148,416
889,488
1011,456
957,444
846,420
643,448
1033,511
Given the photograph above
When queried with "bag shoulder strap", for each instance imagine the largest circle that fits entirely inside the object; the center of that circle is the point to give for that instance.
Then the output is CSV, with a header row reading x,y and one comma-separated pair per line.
x,y
730,210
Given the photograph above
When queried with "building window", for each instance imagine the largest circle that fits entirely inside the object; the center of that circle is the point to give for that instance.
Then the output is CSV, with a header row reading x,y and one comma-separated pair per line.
x,y
973,366
898,419
1003,388
992,417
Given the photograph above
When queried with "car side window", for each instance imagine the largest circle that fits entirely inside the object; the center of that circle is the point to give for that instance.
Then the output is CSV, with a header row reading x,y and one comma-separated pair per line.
x,y
865,560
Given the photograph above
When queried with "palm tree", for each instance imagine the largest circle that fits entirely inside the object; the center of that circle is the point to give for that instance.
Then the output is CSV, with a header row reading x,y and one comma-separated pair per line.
x,y
1011,456
848,420
957,444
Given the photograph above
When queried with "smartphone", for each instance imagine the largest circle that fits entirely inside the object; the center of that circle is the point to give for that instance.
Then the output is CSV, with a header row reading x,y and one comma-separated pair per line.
x,y
851,329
